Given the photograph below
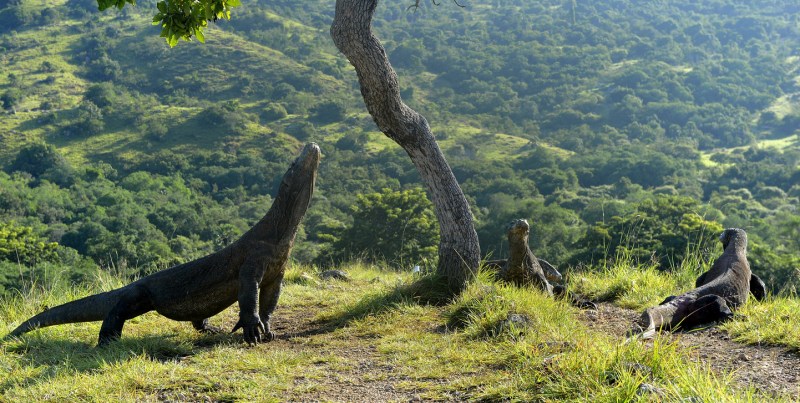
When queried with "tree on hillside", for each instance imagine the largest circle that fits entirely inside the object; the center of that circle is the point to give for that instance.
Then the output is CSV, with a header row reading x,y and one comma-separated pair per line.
x,y
396,226
459,251
11,99
43,161
19,244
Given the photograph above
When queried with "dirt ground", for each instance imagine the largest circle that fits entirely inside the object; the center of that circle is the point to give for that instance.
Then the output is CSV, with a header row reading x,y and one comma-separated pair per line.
x,y
773,370
367,378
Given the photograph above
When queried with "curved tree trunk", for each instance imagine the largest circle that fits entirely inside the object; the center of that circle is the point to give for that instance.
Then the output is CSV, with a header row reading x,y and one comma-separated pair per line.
x,y
459,252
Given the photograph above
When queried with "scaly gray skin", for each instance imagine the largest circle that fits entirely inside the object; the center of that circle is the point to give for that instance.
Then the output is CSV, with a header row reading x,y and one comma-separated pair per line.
x,y
757,287
550,272
723,288
522,267
249,271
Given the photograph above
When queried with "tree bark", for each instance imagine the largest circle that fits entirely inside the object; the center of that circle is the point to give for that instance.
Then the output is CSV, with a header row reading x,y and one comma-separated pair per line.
x,y
459,251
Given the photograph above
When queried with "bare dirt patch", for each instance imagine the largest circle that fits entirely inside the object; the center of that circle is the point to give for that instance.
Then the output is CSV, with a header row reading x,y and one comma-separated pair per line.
x,y
359,375
773,370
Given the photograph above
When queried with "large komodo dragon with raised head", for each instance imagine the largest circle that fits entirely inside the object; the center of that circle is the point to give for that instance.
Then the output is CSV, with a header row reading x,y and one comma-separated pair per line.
x,y
249,271
719,290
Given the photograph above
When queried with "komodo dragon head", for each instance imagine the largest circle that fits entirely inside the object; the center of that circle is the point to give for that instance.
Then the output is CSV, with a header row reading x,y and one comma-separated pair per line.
x,y
735,235
518,231
295,191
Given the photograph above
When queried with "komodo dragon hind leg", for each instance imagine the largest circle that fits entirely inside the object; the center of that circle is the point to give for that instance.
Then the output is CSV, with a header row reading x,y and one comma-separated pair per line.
x,y
133,303
757,288
203,326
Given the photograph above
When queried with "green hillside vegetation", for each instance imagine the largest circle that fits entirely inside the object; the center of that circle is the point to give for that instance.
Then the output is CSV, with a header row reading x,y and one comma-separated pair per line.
x,y
629,134
335,333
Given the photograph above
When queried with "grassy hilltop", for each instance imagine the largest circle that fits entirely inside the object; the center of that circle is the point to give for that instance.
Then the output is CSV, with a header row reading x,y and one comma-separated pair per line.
x,y
375,338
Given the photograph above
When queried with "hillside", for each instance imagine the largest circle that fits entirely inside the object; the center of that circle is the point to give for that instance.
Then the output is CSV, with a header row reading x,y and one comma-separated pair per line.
x,y
614,127
373,338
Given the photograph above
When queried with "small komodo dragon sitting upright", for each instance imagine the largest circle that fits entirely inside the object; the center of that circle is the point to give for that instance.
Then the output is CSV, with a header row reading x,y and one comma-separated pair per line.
x,y
523,268
249,271
723,287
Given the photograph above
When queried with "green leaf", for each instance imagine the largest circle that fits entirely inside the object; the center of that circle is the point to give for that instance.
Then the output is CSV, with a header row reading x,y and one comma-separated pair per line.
x,y
104,4
162,6
234,3
199,34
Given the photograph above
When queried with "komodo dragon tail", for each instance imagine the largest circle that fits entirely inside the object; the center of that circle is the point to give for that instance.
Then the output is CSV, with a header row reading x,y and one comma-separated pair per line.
x,y
88,309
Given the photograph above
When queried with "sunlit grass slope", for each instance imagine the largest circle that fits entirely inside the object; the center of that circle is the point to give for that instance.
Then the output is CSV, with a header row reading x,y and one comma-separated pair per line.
x,y
633,286
176,85
494,342
772,321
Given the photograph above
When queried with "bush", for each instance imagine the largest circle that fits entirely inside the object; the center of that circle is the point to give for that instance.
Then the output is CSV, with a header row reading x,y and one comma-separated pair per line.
x,y
11,98
398,226
328,112
273,112
43,161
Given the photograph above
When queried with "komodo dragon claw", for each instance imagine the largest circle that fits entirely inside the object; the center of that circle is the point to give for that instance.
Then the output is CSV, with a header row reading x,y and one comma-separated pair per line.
x,y
254,332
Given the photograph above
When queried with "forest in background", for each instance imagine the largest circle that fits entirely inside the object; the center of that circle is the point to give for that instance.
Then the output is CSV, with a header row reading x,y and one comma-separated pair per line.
x,y
616,128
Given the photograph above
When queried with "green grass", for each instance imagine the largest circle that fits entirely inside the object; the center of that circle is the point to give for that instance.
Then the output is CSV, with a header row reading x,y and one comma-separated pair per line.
x,y
157,359
782,144
772,321
635,286
459,350
469,344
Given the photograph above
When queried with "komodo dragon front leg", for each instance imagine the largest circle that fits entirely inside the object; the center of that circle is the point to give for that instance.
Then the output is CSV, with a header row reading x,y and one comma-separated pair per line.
x,y
250,276
267,301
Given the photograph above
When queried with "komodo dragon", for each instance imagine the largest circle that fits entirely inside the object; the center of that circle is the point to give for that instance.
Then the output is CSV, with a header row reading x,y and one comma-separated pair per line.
x,y
723,287
523,268
249,271
550,272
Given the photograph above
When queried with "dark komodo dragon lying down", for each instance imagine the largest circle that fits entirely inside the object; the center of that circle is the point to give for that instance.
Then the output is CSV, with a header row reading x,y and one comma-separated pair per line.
x,y
249,271
723,287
